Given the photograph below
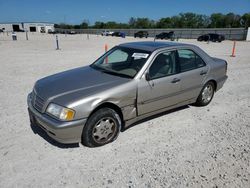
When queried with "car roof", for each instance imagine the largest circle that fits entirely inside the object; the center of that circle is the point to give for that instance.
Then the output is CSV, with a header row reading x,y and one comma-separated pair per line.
x,y
151,45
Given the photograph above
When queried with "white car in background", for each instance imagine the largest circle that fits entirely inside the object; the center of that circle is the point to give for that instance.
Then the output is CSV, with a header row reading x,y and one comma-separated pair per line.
x,y
107,33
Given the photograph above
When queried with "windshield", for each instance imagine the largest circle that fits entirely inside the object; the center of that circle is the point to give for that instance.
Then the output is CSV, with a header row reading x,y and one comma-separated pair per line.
x,y
121,61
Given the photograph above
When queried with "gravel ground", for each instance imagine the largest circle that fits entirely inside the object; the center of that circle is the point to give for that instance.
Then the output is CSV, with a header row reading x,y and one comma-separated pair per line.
x,y
188,147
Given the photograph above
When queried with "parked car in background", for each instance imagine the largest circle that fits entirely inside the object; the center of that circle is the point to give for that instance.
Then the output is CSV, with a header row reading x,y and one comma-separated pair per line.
x,y
72,32
141,34
211,37
51,32
118,34
107,33
130,82
165,35
1,30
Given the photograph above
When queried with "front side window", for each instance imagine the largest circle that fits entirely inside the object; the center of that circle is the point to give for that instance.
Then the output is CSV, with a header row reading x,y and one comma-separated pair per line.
x,y
122,61
163,65
189,60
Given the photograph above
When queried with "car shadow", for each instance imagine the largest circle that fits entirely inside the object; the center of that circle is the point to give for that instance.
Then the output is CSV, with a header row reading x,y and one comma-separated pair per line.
x,y
156,116
38,130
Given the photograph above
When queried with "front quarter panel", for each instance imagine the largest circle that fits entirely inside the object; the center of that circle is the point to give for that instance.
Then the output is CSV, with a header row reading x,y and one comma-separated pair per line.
x,y
123,96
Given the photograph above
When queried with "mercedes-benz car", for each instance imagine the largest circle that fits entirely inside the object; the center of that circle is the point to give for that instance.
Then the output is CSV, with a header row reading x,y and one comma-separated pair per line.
x,y
130,82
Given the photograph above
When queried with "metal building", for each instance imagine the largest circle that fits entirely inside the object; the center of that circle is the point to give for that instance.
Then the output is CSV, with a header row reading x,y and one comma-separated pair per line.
x,y
41,27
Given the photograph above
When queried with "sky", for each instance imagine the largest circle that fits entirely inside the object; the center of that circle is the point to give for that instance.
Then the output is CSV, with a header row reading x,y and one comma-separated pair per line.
x,y
75,11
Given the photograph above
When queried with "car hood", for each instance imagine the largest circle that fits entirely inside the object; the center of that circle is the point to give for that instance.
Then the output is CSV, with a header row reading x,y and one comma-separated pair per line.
x,y
84,80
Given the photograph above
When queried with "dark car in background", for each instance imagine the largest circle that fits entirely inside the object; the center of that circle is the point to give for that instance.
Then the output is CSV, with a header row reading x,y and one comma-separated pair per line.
x,y
50,31
211,37
141,34
165,35
118,34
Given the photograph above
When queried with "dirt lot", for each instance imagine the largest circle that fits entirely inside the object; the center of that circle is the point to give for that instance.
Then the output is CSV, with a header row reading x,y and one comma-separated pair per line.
x,y
189,147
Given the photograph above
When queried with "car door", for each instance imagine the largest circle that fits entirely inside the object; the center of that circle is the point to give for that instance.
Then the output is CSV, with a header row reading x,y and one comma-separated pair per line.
x,y
160,86
193,71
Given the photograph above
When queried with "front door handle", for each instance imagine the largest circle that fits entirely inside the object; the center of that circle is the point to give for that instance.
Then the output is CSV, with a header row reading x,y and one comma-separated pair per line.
x,y
175,80
203,72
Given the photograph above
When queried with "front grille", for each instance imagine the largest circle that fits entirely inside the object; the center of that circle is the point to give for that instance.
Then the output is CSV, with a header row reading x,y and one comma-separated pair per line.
x,y
37,102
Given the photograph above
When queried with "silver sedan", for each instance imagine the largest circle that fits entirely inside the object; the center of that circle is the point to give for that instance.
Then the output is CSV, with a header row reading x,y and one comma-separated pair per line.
x,y
130,82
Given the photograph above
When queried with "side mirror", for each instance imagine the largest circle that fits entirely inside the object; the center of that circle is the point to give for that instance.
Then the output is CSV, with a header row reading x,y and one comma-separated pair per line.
x,y
147,76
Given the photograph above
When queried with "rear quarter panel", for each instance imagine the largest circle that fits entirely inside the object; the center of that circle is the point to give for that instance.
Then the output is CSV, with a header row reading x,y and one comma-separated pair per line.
x,y
216,66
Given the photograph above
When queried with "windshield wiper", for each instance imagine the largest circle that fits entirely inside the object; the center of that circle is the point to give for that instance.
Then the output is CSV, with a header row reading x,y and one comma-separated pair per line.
x,y
116,73
109,72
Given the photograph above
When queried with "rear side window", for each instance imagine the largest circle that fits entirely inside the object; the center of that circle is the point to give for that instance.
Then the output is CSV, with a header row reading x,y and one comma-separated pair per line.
x,y
189,60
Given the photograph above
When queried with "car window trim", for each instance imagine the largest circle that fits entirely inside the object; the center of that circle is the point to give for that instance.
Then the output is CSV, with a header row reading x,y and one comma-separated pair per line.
x,y
160,52
195,61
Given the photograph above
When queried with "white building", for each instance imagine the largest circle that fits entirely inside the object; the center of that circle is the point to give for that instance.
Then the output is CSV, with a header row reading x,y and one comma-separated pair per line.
x,y
41,27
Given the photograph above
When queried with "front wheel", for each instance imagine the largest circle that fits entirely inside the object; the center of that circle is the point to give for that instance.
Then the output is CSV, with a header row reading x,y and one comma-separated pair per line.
x,y
206,94
102,127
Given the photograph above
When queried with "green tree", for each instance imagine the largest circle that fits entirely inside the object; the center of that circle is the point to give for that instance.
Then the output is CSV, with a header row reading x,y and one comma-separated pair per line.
x,y
111,25
183,20
84,24
132,22
144,23
245,20
232,20
217,20
176,22
164,23
99,25
77,27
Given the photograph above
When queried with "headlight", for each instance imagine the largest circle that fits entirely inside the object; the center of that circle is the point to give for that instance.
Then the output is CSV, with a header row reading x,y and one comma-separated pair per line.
x,y
60,112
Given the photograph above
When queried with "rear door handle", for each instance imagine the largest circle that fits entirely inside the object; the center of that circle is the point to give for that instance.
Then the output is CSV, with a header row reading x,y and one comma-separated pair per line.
x,y
175,80
203,72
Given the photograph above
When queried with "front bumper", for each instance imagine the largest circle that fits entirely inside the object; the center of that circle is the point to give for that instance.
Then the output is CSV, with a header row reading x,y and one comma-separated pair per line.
x,y
63,132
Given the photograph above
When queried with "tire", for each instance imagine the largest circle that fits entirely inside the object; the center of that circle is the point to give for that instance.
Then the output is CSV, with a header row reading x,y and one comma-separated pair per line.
x,y
102,127
206,94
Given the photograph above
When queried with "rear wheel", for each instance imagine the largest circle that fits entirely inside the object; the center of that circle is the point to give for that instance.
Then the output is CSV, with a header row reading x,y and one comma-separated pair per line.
x,y
102,127
206,94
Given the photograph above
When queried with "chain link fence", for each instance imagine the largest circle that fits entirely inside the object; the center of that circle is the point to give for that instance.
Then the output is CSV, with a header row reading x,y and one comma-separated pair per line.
x,y
229,33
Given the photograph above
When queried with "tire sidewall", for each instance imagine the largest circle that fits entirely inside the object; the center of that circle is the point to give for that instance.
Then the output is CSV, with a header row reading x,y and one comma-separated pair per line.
x,y
87,138
199,101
